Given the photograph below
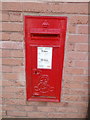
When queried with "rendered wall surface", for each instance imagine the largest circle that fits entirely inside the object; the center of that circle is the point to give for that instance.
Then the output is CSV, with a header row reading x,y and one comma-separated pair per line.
x,y
74,96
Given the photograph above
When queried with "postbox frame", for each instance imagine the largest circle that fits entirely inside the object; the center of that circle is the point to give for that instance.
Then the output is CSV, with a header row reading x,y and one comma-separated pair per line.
x,y
28,63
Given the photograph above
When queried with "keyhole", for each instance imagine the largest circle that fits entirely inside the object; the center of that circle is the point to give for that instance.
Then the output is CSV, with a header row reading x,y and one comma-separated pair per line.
x,y
36,72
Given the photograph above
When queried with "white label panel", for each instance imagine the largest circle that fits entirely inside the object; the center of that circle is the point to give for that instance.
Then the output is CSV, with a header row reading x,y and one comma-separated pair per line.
x,y
44,57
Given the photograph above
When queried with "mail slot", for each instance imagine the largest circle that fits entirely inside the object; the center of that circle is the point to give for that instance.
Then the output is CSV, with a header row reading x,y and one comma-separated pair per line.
x,y
44,48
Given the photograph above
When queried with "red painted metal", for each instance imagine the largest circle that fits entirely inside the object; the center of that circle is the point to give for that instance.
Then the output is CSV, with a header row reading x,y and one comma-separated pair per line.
x,y
44,31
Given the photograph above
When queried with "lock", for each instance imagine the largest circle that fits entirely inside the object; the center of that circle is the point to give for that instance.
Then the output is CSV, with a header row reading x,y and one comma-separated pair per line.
x,y
36,71
44,48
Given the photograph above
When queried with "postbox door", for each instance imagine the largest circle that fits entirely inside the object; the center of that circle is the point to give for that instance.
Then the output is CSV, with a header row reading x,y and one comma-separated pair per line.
x,y
44,41
45,72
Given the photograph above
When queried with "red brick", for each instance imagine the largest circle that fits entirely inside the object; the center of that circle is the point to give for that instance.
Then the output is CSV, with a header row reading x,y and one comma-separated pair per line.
x,y
80,78
0,53
70,110
88,48
0,5
14,102
0,113
16,90
69,63
0,99
16,36
19,69
75,71
12,27
16,113
46,109
61,109
10,76
42,7
8,95
3,113
0,45
70,91
20,89
71,28
17,53
12,45
12,61
5,36
12,96
32,103
63,115
5,16
6,53
77,19
0,27
0,36
82,105
81,64
36,115
14,83
88,28
59,8
15,16
88,19
61,104
67,77
77,55
82,29
30,108
8,116
70,47
75,98
56,115
86,71
73,115
75,85
78,104
78,38
0,16
81,47
75,8
13,108
12,6
6,68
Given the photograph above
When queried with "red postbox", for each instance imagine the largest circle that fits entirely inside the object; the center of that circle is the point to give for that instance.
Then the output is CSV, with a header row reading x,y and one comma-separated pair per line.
x,y
44,43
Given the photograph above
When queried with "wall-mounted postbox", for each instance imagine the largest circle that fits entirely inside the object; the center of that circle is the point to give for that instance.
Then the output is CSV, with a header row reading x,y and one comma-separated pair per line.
x,y
44,43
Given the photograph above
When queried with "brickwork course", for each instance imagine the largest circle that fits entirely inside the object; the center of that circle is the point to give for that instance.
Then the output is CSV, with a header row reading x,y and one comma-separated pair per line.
x,y
74,95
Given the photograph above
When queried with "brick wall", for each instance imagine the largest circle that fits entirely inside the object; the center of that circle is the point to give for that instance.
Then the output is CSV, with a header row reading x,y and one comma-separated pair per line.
x,y
74,97
0,64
